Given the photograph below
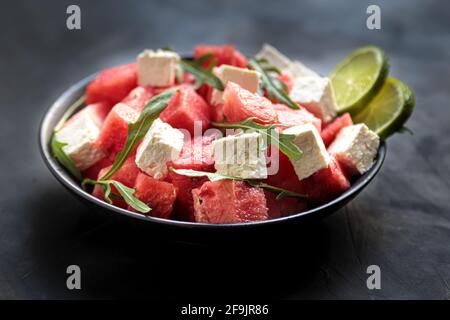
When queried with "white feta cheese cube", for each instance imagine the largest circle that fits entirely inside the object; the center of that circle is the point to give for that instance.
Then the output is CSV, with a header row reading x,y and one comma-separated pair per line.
x,y
356,147
316,95
161,144
79,135
314,154
298,69
277,59
241,155
157,68
247,79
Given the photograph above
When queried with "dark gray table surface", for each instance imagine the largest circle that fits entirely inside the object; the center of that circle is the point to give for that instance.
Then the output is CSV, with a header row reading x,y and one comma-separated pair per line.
x,y
401,222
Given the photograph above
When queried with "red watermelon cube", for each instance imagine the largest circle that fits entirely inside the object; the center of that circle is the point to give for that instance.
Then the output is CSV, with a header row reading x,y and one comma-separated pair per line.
x,y
326,184
115,129
93,171
158,195
322,186
287,80
195,155
185,109
126,175
138,98
240,104
229,201
283,207
217,113
226,54
113,84
291,117
284,173
184,203
331,129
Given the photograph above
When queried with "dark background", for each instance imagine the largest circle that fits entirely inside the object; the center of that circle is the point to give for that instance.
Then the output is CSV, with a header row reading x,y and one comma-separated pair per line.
x,y
401,222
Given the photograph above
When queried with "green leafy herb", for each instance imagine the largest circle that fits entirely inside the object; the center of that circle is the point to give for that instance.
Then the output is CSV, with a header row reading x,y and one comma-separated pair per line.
x,y
126,193
281,193
280,140
201,74
138,129
57,146
63,158
275,88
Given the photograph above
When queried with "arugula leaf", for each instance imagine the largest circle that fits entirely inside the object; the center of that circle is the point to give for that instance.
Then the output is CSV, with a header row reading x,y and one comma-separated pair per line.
x,y
268,69
63,158
275,88
280,140
202,75
210,175
281,193
57,146
138,129
126,193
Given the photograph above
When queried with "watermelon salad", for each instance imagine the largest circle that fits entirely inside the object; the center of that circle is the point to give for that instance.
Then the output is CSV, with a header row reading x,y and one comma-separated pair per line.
x,y
219,138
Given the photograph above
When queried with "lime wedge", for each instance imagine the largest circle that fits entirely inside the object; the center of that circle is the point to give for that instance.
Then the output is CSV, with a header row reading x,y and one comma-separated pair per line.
x,y
389,109
358,78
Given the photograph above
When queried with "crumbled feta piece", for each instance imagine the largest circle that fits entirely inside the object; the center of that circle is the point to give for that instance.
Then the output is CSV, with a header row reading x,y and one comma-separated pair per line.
x,y
277,59
247,79
356,147
314,154
79,135
157,68
161,144
241,155
315,94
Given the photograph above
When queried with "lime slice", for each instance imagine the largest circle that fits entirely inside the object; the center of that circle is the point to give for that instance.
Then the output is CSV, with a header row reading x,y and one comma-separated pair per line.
x,y
358,78
389,109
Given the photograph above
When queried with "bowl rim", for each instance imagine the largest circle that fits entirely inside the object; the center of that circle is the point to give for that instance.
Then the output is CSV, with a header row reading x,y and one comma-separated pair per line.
x,y
69,182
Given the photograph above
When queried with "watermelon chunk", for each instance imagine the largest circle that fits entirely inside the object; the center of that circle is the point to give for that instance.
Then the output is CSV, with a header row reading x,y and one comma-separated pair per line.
x,y
325,184
184,203
331,129
283,207
229,201
93,171
226,54
240,104
127,175
195,155
112,85
217,113
138,97
115,129
287,80
158,195
185,108
291,117
322,186
285,177
187,78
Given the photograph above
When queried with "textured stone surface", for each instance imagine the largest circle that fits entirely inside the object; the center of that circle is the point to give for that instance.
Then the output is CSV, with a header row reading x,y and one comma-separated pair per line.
x,y
401,222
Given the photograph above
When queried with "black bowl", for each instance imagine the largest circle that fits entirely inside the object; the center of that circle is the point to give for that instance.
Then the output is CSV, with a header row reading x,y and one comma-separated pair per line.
x,y
179,230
